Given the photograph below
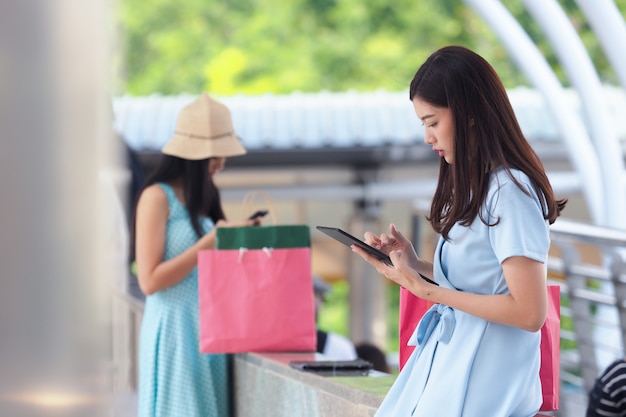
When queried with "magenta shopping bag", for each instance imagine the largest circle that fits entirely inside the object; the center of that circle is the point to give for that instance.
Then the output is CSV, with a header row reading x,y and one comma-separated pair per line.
x,y
255,300
550,370
412,308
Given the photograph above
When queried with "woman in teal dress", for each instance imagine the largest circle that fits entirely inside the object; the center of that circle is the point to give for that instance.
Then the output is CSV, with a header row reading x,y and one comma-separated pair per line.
x,y
477,349
176,216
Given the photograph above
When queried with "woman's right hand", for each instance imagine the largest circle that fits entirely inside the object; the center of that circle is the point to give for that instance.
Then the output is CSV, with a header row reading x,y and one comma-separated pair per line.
x,y
406,265
394,241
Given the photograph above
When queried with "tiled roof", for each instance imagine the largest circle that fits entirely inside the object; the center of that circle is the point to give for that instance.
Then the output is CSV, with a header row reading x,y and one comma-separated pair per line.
x,y
327,120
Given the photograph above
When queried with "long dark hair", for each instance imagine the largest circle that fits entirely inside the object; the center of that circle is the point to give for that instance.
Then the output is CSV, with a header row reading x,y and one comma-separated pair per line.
x,y
487,135
202,197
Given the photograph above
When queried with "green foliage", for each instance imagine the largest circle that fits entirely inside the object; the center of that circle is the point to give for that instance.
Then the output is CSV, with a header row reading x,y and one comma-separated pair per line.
x,y
567,323
280,46
334,316
393,297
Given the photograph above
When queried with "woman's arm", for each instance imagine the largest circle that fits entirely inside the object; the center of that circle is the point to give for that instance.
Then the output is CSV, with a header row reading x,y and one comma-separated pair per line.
x,y
521,224
525,307
153,273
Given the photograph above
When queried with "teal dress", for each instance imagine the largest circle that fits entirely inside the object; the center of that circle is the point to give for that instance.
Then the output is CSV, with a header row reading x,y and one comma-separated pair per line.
x,y
175,379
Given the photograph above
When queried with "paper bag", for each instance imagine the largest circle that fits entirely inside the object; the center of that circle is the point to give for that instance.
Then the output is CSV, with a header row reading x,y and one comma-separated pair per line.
x,y
550,351
256,300
412,309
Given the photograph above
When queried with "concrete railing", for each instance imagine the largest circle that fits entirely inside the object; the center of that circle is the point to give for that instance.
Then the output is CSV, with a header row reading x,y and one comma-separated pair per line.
x,y
265,385
127,313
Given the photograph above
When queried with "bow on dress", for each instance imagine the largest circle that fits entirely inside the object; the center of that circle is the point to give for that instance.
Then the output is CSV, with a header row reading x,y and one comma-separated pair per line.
x,y
439,319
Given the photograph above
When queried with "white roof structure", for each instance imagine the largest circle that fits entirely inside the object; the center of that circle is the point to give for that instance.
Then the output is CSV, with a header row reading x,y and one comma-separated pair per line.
x,y
301,121
351,130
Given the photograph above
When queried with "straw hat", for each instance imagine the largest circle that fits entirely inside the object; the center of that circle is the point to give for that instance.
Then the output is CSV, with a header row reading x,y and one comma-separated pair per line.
x,y
204,129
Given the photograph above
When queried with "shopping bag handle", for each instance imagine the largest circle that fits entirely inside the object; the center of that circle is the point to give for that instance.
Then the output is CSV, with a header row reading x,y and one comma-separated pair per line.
x,y
248,203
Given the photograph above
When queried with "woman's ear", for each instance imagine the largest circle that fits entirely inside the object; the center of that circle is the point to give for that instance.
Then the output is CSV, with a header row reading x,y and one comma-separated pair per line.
x,y
471,121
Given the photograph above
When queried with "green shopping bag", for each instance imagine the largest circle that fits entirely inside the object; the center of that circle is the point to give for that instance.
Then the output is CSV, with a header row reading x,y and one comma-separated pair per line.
x,y
259,237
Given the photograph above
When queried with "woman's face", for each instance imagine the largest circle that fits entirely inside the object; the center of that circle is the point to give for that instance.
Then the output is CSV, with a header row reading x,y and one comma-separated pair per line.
x,y
216,165
438,128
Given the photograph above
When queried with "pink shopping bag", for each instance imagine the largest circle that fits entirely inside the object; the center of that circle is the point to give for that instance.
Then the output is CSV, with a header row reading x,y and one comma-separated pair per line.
x,y
551,351
256,300
412,309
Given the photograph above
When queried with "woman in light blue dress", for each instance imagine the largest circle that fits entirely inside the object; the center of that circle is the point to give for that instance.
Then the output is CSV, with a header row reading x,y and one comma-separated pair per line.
x,y
477,349
176,217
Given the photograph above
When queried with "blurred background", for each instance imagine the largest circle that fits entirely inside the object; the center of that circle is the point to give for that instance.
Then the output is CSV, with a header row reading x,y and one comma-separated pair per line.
x,y
318,92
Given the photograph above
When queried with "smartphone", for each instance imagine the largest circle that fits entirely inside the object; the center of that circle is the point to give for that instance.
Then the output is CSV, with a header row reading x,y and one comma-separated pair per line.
x,y
349,240
257,214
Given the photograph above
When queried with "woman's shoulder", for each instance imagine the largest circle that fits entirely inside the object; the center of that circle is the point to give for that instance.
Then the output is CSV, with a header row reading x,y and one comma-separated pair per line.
x,y
501,180
513,183
154,194
502,176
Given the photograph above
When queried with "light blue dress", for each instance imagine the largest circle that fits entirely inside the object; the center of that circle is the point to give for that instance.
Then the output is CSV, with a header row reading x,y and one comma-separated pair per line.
x,y
175,379
464,366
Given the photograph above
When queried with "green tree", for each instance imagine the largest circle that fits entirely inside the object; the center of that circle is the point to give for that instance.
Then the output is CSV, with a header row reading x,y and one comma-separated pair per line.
x,y
280,46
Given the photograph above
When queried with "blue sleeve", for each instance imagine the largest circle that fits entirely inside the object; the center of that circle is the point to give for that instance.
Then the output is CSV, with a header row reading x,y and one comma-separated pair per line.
x,y
522,230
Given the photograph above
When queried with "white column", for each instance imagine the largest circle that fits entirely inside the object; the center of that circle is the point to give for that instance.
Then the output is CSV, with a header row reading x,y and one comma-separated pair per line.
x,y
608,24
53,326
573,132
583,76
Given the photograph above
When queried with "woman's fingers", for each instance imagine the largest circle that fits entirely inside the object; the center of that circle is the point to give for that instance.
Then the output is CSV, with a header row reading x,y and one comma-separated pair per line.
x,y
371,239
376,263
394,273
396,234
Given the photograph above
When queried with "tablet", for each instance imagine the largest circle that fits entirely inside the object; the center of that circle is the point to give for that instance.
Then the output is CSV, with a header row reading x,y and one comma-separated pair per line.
x,y
349,240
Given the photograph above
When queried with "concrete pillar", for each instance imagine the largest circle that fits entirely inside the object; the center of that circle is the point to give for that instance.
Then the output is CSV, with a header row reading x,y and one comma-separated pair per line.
x,y
53,72
368,289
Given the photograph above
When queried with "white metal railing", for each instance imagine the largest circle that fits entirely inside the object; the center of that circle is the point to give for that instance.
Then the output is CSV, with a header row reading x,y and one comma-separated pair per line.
x,y
591,271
